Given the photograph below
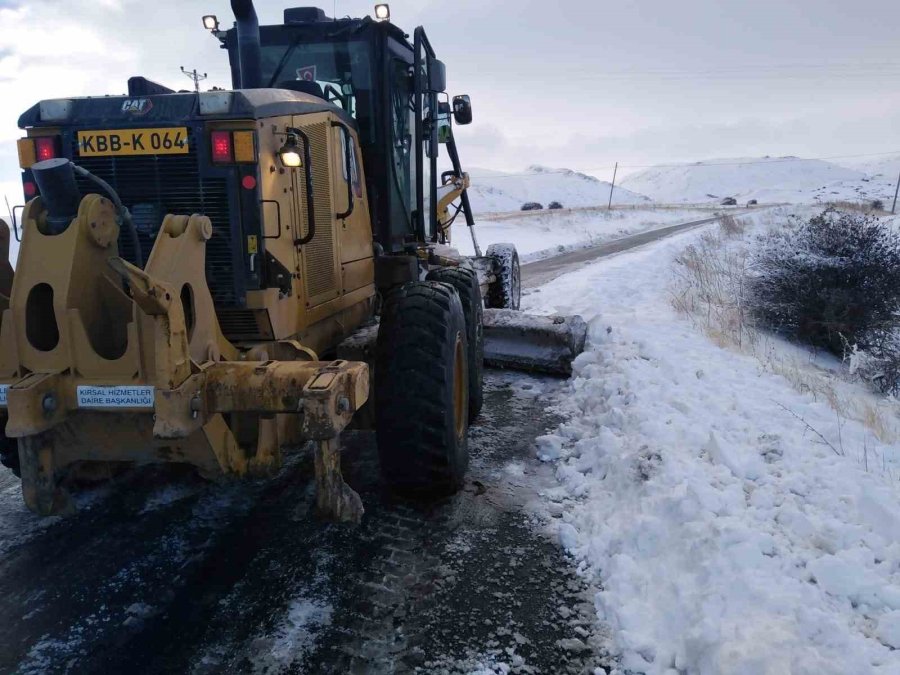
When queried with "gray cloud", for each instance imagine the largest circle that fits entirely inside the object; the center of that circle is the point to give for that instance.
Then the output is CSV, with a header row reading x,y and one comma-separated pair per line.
x,y
577,83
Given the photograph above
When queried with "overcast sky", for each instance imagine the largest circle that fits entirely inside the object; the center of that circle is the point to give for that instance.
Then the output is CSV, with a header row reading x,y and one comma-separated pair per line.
x,y
571,83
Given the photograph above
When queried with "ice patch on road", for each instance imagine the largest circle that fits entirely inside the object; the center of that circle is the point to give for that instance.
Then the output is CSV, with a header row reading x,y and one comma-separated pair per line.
x,y
289,643
726,537
18,525
47,655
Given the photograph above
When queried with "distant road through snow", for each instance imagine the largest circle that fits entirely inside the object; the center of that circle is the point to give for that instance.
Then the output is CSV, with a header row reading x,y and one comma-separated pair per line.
x,y
544,271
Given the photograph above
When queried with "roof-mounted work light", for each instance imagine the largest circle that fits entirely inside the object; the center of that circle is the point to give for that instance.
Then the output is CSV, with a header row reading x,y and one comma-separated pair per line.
x,y
383,12
211,23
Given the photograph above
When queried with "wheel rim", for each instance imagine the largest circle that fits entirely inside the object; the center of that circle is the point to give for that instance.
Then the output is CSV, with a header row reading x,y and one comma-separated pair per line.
x,y
459,389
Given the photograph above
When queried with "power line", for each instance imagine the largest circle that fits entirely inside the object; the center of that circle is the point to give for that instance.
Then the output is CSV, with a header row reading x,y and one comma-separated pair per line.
x,y
852,67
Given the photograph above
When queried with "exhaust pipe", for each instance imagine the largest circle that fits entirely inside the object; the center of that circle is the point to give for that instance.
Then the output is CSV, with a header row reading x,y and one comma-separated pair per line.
x,y
55,179
248,43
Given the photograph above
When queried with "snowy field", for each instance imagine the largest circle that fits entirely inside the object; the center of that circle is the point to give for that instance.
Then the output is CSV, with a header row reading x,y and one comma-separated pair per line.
x,y
766,179
541,234
494,191
735,524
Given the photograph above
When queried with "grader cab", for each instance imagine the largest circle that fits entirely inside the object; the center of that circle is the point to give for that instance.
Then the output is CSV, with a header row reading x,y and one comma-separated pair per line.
x,y
207,278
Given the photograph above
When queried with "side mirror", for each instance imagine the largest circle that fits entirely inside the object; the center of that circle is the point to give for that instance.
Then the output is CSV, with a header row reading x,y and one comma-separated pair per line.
x,y
462,109
437,76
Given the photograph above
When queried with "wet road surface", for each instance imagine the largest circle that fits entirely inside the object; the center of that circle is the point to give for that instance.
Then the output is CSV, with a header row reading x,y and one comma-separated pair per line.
x,y
161,572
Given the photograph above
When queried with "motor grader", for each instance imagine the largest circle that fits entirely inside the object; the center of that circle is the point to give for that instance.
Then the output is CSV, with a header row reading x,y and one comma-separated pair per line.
x,y
209,277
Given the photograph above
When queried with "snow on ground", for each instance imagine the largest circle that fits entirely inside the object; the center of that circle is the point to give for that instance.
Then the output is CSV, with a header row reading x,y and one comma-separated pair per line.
x,y
726,536
494,192
541,234
767,179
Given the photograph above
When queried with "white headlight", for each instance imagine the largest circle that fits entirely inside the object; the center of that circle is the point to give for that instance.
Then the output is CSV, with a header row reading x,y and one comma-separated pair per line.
x,y
290,158
290,153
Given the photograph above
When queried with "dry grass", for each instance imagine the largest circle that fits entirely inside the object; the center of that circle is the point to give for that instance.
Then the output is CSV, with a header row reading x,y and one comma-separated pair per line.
x,y
866,208
710,286
731,226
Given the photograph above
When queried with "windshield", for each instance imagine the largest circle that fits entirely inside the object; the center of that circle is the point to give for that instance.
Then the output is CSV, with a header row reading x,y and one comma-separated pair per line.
x,y
340,69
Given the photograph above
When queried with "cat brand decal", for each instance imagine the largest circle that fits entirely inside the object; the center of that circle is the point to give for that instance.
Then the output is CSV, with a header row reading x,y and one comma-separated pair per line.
x,y
137,106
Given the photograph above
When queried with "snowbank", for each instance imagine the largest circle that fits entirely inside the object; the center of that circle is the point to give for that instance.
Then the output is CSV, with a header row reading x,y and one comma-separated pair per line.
x,y
726,536
494,192
766,179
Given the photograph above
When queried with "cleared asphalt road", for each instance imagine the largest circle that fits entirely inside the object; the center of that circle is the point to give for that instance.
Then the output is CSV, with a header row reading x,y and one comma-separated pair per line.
x,y
541,272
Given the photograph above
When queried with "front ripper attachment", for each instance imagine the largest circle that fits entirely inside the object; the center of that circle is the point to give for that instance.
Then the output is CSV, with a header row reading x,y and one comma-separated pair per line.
x,y
545,344
94,375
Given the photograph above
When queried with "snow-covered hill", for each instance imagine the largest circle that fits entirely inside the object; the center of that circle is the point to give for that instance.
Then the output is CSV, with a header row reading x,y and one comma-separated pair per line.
x,y
494,192
887,167
767,179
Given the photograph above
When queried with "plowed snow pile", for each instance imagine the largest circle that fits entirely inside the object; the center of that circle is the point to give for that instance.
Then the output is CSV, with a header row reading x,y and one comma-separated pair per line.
x,y
727,537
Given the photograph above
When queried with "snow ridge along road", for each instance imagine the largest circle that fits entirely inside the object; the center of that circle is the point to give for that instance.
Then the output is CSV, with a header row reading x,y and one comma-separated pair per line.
x,y
726,537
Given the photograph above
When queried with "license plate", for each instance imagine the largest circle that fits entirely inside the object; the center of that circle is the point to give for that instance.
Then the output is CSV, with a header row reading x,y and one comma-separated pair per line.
x,y
115,397
123,142
4,388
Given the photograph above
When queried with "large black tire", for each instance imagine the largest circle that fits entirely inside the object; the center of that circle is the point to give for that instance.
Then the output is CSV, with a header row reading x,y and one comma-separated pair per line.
x,y
465,281
9,453
506,291
421,389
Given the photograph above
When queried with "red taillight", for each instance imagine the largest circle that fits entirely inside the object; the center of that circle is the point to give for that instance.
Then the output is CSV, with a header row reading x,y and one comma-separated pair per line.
x,y
45,147
248,183
30,189
222,151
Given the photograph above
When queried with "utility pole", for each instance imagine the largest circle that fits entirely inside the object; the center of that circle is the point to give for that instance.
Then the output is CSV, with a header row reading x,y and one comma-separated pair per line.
x,y
612,186
195,76
896,192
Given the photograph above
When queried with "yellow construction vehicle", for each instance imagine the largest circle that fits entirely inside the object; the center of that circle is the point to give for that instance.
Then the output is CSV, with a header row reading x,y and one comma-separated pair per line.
x,y
210,277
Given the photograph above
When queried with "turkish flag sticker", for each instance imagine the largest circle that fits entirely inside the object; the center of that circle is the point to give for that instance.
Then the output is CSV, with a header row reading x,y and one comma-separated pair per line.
x,y
308,73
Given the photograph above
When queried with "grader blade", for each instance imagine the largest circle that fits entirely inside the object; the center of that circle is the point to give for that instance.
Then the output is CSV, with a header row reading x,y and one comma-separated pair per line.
x,y
544,344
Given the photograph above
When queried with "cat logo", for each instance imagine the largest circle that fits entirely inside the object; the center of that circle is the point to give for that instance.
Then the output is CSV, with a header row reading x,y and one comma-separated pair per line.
x,y
137,106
